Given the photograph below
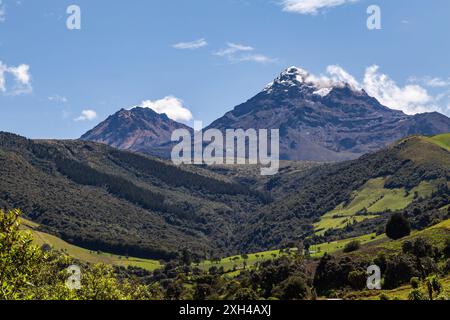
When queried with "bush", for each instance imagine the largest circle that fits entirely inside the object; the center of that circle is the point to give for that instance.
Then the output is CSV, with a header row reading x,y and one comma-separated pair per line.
x,y
399,271
416,295
245,294
352,246
446,250
293,288
384,297
398,227
358,279
415,283
447,267
419,248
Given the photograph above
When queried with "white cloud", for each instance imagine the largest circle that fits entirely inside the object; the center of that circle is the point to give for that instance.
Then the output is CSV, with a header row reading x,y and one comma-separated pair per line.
x,y
57,98
197,44
411,99
259,58
433,82
87,115
233,48
311,6
171,106
2,12
21,73
21,76
338,74
235,53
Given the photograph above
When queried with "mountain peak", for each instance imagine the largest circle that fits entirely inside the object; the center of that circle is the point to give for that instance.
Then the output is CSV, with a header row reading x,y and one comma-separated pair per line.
x,y
134,129
309,83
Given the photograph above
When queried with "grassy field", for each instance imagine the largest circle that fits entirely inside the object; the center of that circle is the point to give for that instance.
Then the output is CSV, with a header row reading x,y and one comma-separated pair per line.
x,y
371,199
436,235
41,238
442,140
331,247
236,263
400,293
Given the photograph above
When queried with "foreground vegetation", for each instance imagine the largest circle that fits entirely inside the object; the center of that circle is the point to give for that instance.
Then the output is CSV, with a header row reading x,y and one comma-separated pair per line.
x,y
416,267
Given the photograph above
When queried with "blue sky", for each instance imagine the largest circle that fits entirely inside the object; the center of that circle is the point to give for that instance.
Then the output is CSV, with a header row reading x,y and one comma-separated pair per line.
x,y
199,58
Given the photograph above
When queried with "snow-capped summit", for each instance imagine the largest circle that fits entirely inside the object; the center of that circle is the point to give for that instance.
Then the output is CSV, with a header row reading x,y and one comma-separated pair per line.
x,y
308,83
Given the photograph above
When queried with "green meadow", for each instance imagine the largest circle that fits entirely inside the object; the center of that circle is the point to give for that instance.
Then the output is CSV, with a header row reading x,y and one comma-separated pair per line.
x,y
85,255
442,140
369,201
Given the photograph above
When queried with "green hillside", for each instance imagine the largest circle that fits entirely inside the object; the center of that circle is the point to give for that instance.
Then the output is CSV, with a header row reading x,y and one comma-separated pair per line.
x,y
350,199
95,197
373,198
42,238
99,198
442,140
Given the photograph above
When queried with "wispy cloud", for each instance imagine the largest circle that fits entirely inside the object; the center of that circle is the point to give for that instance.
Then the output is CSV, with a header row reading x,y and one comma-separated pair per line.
x,y
235,53
21,79
433,82
2,11
87,115
172,106
57,98
233,48
193,45
311,6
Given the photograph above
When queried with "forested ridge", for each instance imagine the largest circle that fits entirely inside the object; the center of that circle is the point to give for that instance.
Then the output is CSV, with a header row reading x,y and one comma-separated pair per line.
x,y
104,199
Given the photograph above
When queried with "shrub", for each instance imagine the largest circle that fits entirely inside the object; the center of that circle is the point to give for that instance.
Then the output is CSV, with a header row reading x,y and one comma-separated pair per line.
x,y
415,283
416,295
399,271
447,267
294,288
398,227
352,246
384,297
245,294
446,250
357,279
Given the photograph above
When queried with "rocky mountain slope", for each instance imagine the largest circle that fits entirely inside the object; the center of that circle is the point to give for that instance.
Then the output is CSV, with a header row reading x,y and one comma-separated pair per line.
x,y
326,123
317,122
137,129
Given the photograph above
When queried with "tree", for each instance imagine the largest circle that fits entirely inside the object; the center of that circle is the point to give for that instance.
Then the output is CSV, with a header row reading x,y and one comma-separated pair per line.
x,y
398,227
29,273
19,259
186,257
434,287
293,288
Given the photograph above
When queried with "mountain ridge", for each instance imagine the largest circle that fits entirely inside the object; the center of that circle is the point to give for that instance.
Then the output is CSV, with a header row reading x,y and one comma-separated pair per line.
x,y
319,119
